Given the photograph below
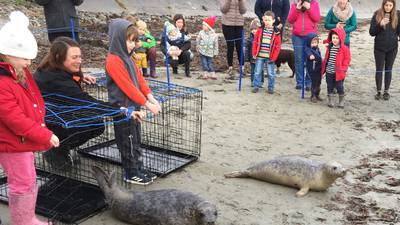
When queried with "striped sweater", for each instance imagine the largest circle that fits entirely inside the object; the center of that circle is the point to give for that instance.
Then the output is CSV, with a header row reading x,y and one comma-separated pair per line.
x,y
331,67
266,42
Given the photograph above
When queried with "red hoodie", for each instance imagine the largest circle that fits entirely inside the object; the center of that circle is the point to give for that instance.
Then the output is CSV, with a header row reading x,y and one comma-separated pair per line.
x,y
22,127
343,56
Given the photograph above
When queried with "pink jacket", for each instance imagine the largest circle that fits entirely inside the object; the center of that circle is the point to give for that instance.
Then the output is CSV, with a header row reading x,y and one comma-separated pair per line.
x,y
304,23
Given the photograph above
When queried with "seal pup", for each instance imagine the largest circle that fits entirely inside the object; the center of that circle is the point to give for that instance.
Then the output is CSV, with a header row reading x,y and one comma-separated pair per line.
x,y
160,207
294,171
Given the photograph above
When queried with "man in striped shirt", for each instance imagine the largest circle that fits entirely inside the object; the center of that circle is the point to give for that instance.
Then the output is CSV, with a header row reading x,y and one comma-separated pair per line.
x,y
266,47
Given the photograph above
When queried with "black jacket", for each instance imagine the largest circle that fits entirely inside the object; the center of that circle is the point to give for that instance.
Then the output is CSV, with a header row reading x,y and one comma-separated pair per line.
x,y
313,66
385,39
58,14
279,7
61,82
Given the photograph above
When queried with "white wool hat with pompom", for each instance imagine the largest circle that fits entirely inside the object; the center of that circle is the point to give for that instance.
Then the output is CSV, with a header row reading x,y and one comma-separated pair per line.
x,y
16,39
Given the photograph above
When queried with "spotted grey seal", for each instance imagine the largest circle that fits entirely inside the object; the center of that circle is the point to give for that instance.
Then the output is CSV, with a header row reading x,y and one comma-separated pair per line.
x,y
160,207
294,171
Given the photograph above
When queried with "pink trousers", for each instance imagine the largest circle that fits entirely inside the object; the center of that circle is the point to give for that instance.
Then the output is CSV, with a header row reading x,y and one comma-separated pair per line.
x,y
20,171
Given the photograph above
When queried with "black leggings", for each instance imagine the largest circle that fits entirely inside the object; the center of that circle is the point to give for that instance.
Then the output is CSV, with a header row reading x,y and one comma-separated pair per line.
x,y
232,33
384,59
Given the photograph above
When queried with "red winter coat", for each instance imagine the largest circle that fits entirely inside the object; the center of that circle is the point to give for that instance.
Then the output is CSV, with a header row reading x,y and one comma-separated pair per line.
x,y
275,44
343,56
22,111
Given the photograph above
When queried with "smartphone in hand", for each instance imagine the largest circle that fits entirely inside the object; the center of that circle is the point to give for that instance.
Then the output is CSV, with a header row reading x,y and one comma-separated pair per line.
x,y
387,16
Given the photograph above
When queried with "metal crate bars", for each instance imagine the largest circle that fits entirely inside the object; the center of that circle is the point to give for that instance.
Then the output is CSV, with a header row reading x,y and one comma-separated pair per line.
x,y
169,140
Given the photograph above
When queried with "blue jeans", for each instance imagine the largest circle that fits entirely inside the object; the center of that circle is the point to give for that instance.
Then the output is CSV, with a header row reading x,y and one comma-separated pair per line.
x,y
252,70
299,44
207,63
258,73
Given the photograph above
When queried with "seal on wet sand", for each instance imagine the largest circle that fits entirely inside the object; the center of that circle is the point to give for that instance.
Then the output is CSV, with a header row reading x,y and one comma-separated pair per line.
x,y
294,171
160,207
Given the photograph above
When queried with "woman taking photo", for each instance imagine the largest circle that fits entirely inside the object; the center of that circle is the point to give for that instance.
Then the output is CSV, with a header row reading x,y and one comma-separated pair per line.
x,y
385,28
342,15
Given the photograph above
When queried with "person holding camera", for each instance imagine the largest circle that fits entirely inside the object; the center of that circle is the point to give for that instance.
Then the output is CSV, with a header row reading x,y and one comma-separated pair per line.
x,y
342,15
304,16
385,27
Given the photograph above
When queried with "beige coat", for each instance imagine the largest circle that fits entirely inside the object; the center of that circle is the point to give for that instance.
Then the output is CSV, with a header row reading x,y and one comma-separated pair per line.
x,y
232,12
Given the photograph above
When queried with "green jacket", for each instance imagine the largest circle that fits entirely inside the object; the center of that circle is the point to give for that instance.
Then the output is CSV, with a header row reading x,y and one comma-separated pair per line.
x,y
152,42
351,24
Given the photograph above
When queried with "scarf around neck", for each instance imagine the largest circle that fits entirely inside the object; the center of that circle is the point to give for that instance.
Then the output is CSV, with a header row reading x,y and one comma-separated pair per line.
x,y
343,15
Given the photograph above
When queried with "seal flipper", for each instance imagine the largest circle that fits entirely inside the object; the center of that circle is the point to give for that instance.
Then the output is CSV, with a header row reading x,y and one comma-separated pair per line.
x,y
303,191
105,181
237,174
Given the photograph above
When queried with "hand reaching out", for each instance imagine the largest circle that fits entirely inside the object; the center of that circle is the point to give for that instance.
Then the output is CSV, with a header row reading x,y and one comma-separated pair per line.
x,y
89,79
54,141
155,109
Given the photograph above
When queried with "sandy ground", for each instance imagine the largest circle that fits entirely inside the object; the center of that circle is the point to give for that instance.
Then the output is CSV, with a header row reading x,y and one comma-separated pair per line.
x,y
240,128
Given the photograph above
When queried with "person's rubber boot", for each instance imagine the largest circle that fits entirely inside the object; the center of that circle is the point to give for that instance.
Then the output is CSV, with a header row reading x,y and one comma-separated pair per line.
x,y
341,101
153,69
144,72
313,97
187,70
175,70
36,221
22,209
330,101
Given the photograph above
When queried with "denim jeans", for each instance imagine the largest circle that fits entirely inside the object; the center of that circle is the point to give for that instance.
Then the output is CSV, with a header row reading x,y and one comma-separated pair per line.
x,y
331,83
207,63
252,70
299,44
258,73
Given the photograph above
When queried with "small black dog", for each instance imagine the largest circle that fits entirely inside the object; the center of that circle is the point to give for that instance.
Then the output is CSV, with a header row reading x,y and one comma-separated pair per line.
x,y
286,56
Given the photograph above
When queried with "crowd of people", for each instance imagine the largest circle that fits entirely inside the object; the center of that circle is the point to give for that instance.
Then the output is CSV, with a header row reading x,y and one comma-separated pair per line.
x,y
22,126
